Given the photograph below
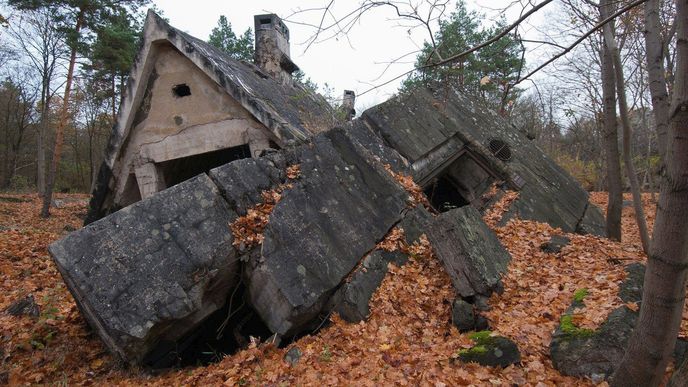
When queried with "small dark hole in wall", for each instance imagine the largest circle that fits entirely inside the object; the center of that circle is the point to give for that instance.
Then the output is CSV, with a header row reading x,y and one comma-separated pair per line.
x,y
265,21
181,90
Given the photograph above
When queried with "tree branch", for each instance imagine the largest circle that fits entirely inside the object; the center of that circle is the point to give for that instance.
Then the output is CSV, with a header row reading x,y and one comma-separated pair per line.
x,y
583,37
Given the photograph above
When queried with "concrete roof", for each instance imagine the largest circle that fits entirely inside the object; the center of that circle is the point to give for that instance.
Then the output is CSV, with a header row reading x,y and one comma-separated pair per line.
x,y
290,112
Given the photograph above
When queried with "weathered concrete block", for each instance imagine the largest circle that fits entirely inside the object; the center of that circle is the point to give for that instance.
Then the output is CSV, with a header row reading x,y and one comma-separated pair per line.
x,y
415,223
593,222
341,207
242,181
463,316
152,271
361,131
492,352
470,252
435,129
596,354
555,244
352,299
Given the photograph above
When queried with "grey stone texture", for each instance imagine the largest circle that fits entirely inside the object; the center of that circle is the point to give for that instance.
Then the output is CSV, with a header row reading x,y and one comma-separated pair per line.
x,y
470,252
596,355
555,244
352,299
492,352
341,207
463,315
241,182
154,270
431,129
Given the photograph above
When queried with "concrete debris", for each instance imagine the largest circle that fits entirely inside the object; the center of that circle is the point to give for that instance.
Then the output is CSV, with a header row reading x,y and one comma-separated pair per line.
x,y
153,271
146,276
470,252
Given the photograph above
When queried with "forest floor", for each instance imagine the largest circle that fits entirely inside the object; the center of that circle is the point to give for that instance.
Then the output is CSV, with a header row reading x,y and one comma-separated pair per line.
x,y
408,339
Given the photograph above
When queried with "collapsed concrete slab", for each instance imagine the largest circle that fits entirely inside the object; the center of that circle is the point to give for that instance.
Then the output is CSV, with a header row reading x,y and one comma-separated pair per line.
x,y
341,207
457,149
148,274
153,271
470,252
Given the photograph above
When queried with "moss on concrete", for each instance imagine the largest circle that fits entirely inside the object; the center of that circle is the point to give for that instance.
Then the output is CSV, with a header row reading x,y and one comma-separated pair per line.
x,y
570,329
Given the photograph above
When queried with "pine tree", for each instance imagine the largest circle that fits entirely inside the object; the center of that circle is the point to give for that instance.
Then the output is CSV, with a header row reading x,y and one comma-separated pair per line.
x,y
224,38
486,73
76,18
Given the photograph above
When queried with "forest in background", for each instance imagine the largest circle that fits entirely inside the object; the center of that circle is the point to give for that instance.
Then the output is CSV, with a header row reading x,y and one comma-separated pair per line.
x,y
562,111
613,52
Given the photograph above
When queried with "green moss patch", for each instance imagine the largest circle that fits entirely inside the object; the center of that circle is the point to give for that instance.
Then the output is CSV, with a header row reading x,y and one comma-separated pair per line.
x,y
477,350
480,337
580,295
569,328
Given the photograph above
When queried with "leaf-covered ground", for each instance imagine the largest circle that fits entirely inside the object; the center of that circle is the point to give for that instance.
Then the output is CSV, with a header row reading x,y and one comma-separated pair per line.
x,y
408,339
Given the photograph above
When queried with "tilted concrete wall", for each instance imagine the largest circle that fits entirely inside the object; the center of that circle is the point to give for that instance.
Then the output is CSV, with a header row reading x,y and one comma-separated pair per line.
x,y
168,127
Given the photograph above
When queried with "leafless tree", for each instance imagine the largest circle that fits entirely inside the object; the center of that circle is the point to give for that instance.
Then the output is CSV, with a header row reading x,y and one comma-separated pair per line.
x,y
619,81
656,48
16,99
36,38
664,289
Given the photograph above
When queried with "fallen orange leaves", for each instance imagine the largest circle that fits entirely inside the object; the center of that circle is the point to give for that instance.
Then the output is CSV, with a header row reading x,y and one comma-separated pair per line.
x,y
416,195
408,338
248,229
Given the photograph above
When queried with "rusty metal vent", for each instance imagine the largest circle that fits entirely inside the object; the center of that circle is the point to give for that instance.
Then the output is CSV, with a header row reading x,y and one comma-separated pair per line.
x,y
500,149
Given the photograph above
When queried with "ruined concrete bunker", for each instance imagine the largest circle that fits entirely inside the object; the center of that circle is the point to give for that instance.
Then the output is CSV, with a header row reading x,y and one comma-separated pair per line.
x,y
153,276
189,107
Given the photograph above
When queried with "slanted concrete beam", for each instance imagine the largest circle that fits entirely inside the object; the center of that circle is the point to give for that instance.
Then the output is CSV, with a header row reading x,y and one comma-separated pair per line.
x,y
258,141
149,179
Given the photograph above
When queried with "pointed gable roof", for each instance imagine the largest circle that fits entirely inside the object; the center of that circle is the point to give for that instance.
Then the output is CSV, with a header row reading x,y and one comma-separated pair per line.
x,y
290,112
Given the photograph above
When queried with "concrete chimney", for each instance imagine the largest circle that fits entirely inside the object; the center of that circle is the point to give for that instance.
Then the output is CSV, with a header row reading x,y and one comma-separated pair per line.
x,y
348,102
272,47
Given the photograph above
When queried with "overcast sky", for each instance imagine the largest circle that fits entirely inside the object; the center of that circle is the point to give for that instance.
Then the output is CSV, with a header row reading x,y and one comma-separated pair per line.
x,y
355,62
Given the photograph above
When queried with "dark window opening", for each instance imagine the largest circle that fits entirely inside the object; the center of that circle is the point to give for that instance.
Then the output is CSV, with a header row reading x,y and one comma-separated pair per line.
x,y
444,195
181,90
265,21
500,149
178,170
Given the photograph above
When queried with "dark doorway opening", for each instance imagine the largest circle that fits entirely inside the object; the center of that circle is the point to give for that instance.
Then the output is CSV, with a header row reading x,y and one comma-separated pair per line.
x,y
178,170
222,333
444,195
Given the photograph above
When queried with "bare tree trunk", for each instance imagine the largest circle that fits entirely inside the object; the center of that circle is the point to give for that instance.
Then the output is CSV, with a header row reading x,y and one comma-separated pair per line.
x,y
653,339
680,376
611,47
648,155
59,132
114,99
611,138
655,73
40,154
